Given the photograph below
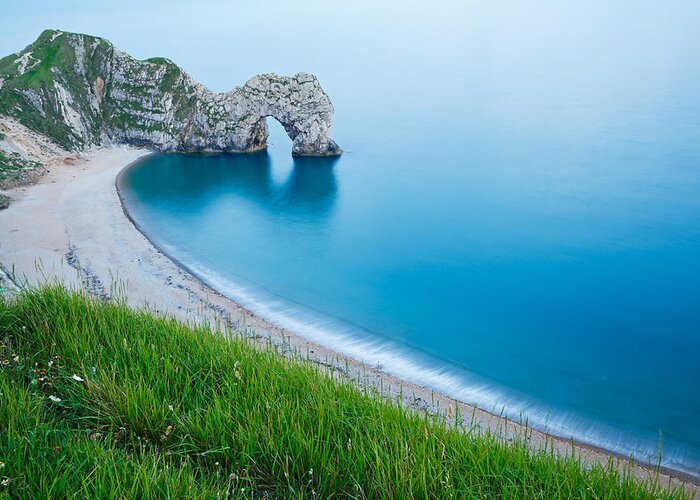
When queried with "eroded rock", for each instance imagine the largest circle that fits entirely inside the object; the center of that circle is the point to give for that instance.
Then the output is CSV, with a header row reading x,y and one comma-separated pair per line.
x,y
84,92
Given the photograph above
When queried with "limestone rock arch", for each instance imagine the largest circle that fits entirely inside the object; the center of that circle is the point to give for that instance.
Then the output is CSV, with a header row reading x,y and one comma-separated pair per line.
x,y
297,102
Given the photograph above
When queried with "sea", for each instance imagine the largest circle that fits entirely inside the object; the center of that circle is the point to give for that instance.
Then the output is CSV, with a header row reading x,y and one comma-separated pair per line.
x,y
515,221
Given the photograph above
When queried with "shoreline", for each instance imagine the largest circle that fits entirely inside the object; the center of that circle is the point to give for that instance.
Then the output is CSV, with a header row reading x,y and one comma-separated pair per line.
x,y
81,231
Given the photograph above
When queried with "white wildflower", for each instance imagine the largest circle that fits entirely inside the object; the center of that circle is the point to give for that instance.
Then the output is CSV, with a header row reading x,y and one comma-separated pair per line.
x,y
2,465
78,378
55,399
50,363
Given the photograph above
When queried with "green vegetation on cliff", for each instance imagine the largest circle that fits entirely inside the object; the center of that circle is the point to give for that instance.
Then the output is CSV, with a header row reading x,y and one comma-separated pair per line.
x,y
29,92
97,400
16,171
72,88
80,91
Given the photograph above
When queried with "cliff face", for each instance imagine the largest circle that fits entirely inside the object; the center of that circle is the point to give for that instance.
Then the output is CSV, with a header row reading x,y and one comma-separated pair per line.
x,y
80,91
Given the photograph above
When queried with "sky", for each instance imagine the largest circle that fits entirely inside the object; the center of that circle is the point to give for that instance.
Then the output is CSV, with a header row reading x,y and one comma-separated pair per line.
x,y
216,41
222,43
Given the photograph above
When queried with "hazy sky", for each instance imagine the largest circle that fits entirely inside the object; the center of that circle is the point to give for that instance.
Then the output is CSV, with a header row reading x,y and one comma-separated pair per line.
x,y
215,40
223,42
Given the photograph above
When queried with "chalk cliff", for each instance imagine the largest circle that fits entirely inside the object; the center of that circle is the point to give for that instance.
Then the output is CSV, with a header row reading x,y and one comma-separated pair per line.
x,y
80,91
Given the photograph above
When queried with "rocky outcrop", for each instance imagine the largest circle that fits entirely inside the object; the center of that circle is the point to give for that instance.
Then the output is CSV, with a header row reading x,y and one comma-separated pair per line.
x,y
297,102
80,91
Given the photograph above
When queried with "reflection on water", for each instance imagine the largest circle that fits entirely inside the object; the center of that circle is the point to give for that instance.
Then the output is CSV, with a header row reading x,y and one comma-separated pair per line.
x,y
309,189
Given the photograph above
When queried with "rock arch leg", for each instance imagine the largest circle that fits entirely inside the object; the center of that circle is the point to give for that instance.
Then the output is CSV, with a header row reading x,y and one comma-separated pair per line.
x,y
257,138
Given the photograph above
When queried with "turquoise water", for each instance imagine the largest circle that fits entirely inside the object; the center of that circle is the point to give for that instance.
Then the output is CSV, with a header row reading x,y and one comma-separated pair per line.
x,y
516,220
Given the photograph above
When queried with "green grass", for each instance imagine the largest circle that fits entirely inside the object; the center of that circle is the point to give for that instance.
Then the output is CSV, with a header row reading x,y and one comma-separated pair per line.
x,y
33,98
151,407
45,56
15,171
53,61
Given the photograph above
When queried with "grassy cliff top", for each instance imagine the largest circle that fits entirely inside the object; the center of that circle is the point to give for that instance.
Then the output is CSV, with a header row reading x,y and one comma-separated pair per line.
x,y
30,77
60,86
98,400
31,67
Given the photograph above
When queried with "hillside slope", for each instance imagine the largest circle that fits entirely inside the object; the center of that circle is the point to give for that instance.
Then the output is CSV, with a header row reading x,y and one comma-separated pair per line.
x,y
81,91
101,401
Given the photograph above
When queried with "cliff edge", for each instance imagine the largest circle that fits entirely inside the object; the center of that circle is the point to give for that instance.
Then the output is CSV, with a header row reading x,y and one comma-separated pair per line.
x,y
79,91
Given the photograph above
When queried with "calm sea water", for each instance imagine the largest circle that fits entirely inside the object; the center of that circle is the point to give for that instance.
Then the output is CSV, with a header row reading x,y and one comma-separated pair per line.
x,y
516,220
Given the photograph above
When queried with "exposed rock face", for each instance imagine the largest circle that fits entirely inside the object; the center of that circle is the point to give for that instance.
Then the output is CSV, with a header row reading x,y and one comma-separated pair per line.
x,y
297,102
80,91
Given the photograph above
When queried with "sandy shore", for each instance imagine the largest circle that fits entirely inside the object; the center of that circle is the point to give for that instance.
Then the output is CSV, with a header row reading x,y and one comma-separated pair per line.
x,y
71,227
